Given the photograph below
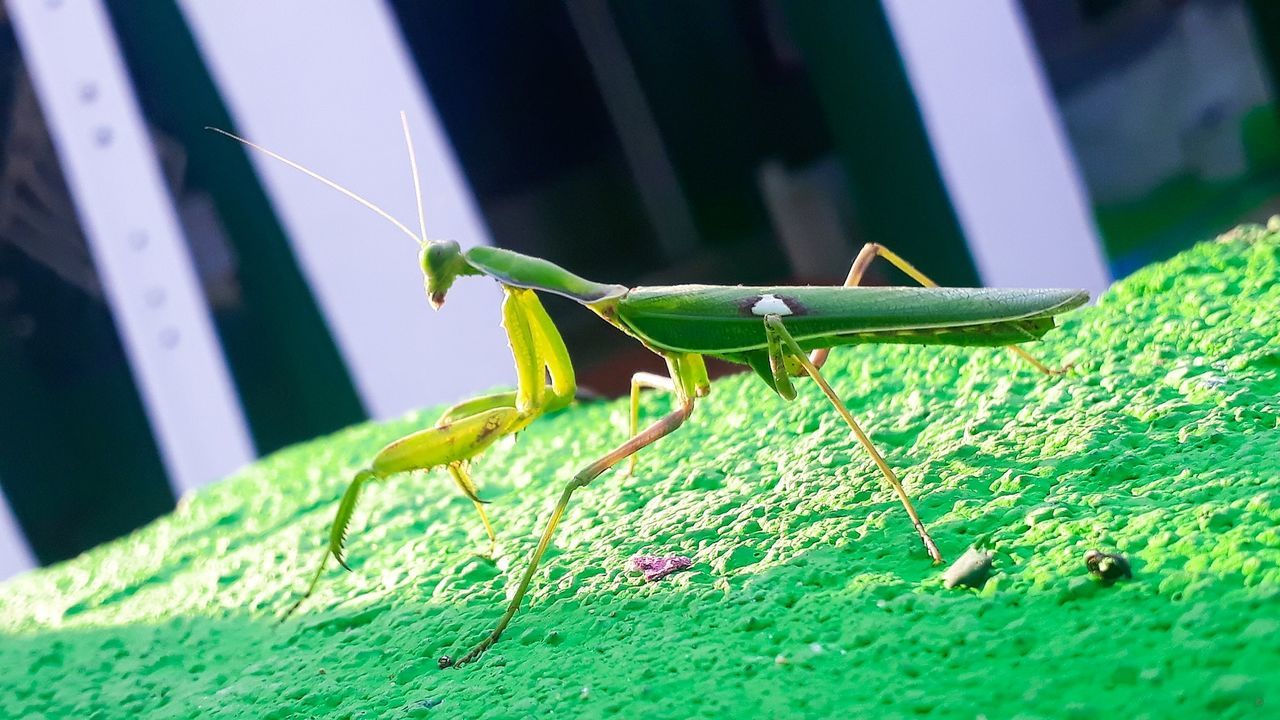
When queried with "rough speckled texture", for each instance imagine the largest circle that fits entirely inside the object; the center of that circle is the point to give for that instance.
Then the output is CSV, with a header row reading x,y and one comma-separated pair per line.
x,y
809,596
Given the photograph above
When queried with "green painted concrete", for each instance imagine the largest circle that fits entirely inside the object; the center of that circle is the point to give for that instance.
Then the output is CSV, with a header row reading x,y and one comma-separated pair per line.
x,y
809,596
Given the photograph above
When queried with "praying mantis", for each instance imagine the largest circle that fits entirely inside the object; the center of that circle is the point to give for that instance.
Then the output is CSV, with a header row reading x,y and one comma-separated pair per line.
x,y
778,332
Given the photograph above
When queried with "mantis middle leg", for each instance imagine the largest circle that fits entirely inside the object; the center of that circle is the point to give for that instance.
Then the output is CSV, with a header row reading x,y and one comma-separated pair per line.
x,y
868,253
640,381
469,428
688,375
699,386
784,354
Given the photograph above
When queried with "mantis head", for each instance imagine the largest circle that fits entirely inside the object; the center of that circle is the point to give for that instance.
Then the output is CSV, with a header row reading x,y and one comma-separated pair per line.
x,y
442,262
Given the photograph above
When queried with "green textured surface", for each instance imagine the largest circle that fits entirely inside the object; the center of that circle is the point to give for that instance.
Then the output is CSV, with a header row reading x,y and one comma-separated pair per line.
x,y
810,595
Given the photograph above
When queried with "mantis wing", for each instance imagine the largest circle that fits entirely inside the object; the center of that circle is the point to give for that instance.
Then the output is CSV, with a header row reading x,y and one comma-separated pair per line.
x,y
728,321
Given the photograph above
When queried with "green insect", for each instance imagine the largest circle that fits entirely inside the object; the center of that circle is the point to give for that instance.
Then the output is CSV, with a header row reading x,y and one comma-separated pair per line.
x,y
779,332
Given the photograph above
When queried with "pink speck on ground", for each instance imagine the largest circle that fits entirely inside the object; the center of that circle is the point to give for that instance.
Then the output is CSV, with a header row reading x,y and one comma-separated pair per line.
x,y
656,567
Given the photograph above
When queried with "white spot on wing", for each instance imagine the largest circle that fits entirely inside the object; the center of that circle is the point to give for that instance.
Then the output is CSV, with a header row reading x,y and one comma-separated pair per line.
x,y
770,304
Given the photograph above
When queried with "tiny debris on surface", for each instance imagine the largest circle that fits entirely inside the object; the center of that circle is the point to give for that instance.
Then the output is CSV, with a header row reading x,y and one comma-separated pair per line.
x,y
656,567
1108,567
971,570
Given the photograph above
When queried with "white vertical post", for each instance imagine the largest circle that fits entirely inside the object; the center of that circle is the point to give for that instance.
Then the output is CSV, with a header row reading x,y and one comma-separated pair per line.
x,y
15,556
323,84
999,143
134,237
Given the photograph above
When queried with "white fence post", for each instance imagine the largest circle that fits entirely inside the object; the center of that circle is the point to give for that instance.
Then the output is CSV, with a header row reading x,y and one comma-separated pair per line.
x,y
15,556
134,236
323,84
999,142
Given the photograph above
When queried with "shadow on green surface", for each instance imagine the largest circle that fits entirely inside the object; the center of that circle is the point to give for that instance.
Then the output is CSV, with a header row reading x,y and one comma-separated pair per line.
x,y
807,637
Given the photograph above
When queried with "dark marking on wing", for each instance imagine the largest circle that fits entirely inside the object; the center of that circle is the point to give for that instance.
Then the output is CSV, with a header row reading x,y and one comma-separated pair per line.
x,y
797,308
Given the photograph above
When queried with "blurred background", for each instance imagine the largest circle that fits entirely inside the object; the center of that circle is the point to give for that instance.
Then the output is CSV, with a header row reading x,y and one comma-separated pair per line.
x,y
172,308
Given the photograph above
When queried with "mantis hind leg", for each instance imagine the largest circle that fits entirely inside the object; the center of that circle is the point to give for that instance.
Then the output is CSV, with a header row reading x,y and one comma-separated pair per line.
x,y
868,253
784,348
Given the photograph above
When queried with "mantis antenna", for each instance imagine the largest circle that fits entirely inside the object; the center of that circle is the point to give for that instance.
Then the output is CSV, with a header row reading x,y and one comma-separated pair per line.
x,y
417,183
383,213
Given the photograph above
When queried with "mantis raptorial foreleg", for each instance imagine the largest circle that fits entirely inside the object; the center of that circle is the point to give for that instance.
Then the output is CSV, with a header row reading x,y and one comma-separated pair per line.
x,y
337,535
651,434
468,428
784,350
460,476
444,445
868,253
477,404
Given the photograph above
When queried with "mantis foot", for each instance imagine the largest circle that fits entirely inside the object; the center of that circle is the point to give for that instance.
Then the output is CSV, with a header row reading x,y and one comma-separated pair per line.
x,y
474,654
